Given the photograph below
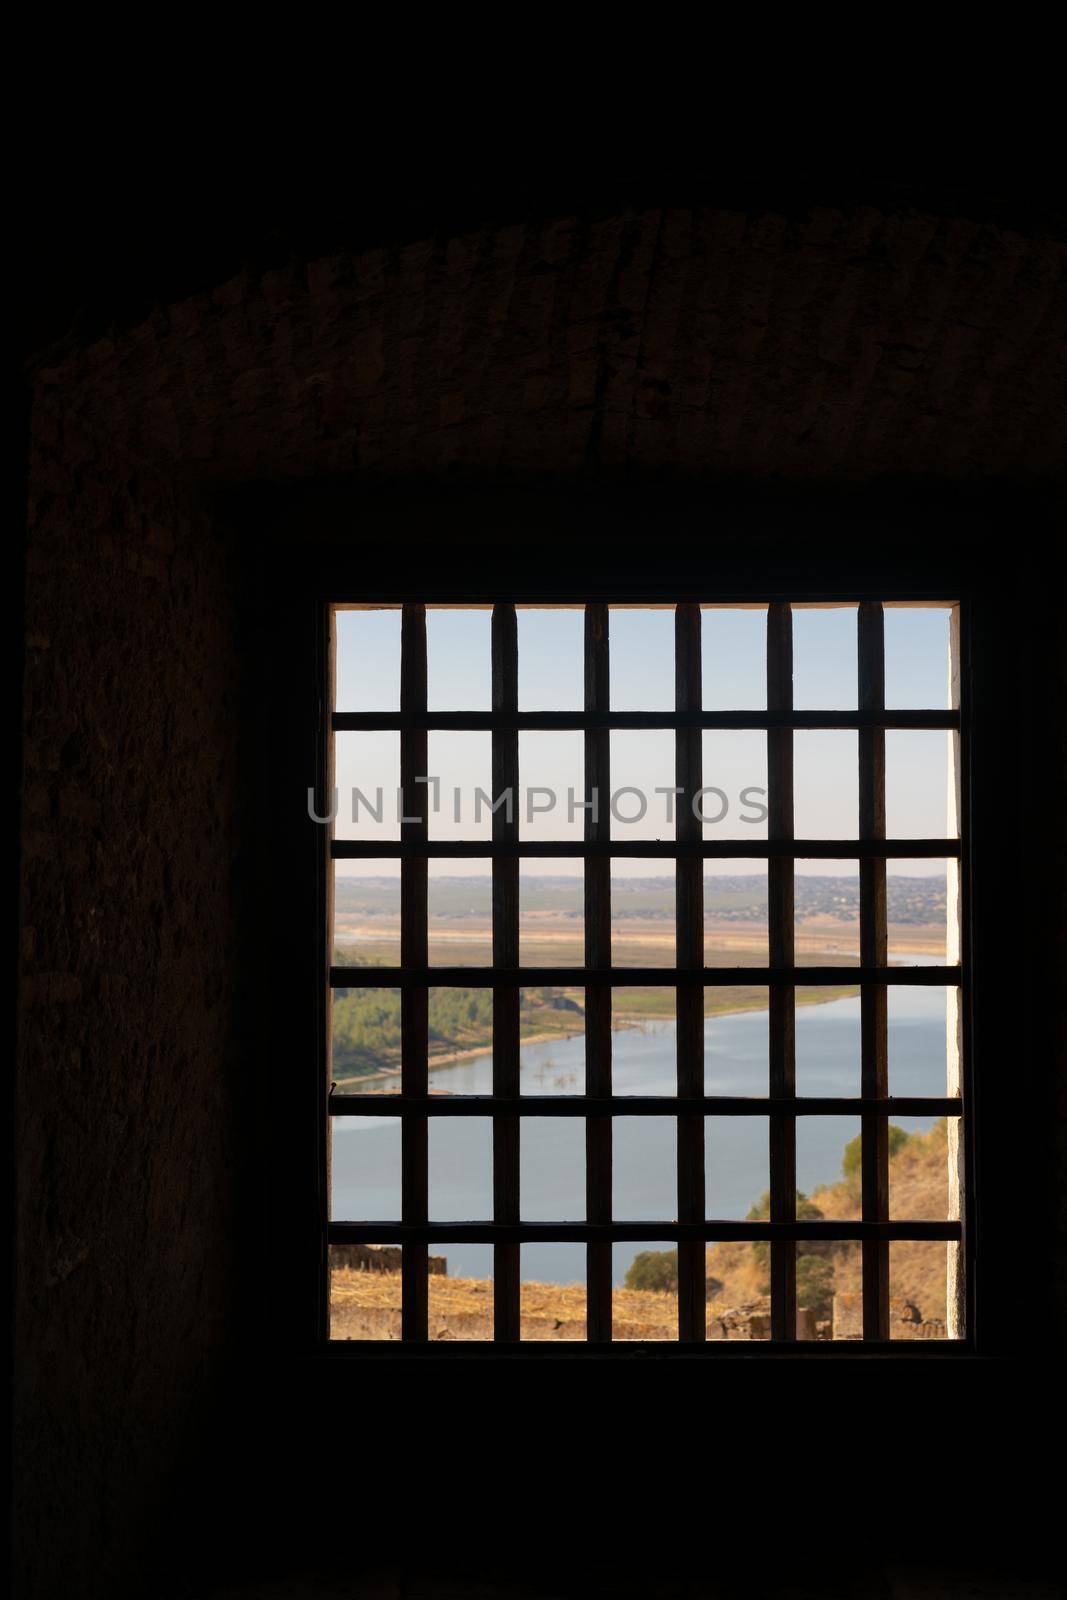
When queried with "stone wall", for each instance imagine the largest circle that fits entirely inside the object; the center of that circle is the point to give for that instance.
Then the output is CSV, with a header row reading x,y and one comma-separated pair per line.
x,y
378,1258
694,340
906,1320
127,1262
753,1321
353,1317
658,346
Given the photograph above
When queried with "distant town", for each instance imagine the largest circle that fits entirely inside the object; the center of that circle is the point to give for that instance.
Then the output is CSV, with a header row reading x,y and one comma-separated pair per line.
x,y
743,899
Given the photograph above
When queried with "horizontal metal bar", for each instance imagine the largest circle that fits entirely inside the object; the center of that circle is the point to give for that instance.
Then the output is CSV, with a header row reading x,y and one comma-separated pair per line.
x,y
633,977
559,593
338,1352
343,1104
391,721
719,1231
658,849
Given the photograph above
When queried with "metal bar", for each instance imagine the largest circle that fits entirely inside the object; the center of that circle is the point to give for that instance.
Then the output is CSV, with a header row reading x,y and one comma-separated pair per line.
x,y
874,1138
557,593
356,1232
962,1305
414,955
645,977
415,1105
709,849
506,1257
780,927
728,1350
598,1138
636,1105
689,999
326,650
378,721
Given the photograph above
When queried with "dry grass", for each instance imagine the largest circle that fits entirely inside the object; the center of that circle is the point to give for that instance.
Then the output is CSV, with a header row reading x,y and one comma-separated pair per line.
x,y
550,941
367,1304
918,1190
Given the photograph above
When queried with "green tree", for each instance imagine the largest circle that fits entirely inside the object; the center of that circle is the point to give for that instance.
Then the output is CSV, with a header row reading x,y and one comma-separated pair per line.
x,y
807,1211
815,1284
654,1269
852,1160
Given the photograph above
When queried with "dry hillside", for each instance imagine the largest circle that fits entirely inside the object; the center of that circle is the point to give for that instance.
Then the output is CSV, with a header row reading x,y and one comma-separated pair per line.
x,y
918,1190
366,1305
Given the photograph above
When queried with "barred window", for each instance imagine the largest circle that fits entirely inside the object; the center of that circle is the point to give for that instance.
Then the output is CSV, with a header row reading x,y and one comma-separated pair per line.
x,y
646,1009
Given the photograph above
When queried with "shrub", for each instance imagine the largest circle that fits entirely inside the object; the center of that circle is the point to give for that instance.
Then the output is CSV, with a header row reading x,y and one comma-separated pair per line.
x,y
815,1285
654,1269
851,1161
807,1211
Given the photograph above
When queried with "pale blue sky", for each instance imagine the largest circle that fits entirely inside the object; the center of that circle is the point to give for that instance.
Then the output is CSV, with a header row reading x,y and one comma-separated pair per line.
x,y
642,679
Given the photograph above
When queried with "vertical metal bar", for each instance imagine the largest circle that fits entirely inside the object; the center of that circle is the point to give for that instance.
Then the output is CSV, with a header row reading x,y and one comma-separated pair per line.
x,y
506,1257
780,930
597,954
326,781
413,953
689,999
957,949
874,1138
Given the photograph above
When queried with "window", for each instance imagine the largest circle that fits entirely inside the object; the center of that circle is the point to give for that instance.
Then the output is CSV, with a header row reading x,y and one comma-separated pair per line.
x,y
643,1028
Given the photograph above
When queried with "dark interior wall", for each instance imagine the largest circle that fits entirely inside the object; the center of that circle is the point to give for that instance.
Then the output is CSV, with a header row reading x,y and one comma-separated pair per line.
x,y
124,1238
707,354
830,344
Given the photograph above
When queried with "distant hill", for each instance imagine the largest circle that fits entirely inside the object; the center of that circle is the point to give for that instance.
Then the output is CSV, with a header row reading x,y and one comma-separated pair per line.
x,y
917,901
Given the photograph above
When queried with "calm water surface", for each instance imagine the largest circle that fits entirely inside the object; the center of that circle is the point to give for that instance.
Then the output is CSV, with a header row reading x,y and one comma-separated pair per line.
x,y
366,1150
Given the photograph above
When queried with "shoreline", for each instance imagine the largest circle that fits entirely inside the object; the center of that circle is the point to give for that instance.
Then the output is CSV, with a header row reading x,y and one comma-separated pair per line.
x,y
454,1058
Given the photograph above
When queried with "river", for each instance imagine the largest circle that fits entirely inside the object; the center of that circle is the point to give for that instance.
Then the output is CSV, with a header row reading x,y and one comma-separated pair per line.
x,y
366,1150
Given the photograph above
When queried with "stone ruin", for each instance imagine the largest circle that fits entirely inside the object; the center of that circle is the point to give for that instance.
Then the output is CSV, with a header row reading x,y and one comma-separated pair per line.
x,y
749,1321
379,1258
906,1320
752,1320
